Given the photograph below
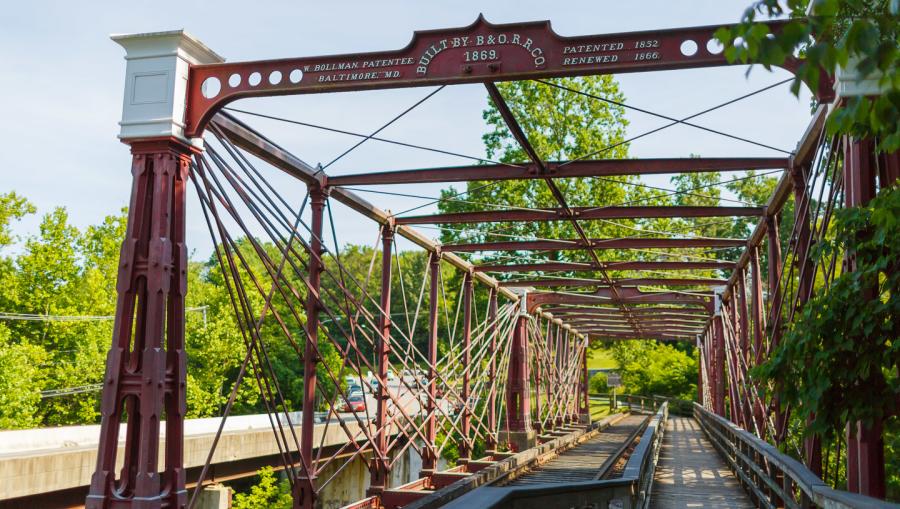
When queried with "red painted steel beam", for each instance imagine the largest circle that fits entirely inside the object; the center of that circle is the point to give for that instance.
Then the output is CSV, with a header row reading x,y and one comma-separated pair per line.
x,y
600,336
562,310
524,283
478,53
581,213
646,328
574,266
645,324
587,317
558,169
626,295
597,244
643,319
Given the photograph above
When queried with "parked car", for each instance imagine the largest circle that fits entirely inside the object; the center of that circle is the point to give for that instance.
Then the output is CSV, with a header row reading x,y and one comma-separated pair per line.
x,y
356,403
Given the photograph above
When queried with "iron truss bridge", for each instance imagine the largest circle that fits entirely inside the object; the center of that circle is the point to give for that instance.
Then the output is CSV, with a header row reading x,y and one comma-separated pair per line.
x,y
512,371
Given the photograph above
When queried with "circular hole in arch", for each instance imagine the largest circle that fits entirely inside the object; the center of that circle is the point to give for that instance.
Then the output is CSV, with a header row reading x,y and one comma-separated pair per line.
x,y
739,42
234,80
275,77
255,79
688,48
295,76
714,46
211,87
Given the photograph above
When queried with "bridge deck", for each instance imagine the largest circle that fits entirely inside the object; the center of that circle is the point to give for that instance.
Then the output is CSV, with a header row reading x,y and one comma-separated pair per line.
x,y
691,474
582,463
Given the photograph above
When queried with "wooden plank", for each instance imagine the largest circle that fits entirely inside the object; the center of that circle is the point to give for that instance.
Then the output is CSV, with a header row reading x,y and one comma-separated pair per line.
x,y
690,472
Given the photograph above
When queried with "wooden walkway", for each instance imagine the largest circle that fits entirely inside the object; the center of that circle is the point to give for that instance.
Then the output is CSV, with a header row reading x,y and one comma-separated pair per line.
x,y
582,463
691,474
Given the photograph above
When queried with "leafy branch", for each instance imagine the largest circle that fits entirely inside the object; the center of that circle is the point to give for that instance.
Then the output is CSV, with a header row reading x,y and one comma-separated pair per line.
x,y
862,34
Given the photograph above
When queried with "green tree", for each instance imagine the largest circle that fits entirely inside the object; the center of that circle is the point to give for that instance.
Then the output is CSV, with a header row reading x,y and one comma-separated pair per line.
x,y
269,492
597,384
21,378
651,368
561,125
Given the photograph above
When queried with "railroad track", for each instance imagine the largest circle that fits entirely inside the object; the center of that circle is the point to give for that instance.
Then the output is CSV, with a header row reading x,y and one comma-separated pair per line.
x,y
590,460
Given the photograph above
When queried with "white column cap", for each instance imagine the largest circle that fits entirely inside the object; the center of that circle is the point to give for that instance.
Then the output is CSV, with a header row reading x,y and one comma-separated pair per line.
x,y
156,79
849,83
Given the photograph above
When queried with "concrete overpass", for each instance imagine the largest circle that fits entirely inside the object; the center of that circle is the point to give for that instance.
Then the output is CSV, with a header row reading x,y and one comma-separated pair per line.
x,y
52,467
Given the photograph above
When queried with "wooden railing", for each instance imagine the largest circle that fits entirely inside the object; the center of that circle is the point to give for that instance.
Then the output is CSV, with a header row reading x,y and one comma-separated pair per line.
x,y
772,478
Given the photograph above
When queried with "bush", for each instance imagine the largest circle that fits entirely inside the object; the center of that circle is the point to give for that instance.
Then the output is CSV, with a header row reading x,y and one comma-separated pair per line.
x,y
269,492
597,384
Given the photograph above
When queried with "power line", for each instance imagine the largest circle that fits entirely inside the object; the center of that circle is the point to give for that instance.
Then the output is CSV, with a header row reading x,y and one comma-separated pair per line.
x,y
31,317
69,391
376,138
682,121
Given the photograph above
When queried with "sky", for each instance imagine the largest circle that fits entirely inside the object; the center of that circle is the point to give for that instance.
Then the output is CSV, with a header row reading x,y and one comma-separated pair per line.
x,y
62,84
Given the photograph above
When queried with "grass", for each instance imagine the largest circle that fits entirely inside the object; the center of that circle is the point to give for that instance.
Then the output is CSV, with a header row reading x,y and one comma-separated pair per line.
x,y
599,410
600,359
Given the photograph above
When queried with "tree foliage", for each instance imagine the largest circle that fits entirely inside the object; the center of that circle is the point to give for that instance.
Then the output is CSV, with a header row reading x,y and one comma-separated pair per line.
x,y
560,125
837,33
650,368
269,492
841,353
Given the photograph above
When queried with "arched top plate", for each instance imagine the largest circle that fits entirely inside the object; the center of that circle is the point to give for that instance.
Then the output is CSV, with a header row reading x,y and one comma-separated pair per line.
x,y
480,52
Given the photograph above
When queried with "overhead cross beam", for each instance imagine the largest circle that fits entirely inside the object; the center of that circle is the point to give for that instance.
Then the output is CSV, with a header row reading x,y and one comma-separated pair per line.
x,y
578,282
618,296
559,169
577,244
613,336
587,317
576,266
586,213
635,310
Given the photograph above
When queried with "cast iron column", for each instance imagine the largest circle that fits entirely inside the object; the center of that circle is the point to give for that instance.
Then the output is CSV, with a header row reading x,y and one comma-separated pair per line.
x,y
429,458
491,441
518,401
699,343
758,331
744,354
146,369
812,446
719,331
551,384
465,451
560,388
584,412
538,374
305,487
379,467
865,444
